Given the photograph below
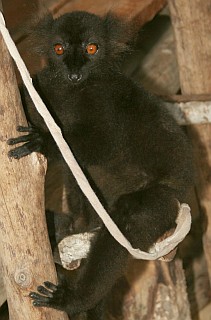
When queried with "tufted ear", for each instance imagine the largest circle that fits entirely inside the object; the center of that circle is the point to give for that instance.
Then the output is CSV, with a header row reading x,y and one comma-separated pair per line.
x,y
39,33
119,33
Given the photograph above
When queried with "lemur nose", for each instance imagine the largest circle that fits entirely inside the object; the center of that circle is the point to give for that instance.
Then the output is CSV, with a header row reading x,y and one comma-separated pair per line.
x,y
75,77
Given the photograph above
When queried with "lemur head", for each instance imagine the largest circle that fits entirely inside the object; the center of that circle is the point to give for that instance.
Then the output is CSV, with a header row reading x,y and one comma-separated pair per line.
x,y
82,45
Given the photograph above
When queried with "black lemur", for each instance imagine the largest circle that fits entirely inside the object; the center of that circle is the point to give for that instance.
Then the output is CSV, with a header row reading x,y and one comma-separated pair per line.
x,y
135,156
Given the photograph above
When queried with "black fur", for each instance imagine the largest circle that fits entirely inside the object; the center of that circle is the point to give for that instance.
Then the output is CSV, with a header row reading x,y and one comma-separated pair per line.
x,y
136,157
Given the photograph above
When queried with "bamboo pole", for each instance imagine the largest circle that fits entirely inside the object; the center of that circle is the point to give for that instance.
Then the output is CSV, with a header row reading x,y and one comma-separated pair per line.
x,y
191,22
25,250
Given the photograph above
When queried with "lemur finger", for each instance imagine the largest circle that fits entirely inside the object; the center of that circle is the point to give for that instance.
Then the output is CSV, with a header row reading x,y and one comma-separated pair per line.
x,y
25,129
24,150
51,286
20,139
45,291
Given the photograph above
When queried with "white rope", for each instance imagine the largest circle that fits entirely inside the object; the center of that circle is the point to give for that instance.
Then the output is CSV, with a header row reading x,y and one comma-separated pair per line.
x,y
160,249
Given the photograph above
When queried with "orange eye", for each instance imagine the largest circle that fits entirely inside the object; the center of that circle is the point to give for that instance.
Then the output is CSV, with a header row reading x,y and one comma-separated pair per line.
x,y
59,49
91,48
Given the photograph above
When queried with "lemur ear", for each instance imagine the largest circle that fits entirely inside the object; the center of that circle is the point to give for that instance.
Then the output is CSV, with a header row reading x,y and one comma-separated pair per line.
x,y
119,33
39,33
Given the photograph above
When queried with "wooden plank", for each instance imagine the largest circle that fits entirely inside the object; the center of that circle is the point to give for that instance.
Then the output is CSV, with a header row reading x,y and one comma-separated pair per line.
x,y
189,113
140,10
191,22
192,29
187,98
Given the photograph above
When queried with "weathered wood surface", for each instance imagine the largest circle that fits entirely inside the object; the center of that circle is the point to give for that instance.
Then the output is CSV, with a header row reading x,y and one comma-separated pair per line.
x,y
151,291
204,314
24,246
189,113
191,22
187,97
199,294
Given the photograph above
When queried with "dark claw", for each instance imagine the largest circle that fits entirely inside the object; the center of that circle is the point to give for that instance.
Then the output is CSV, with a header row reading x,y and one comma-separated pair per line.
x,y
51,286
35,295
38,298
39,303
45,291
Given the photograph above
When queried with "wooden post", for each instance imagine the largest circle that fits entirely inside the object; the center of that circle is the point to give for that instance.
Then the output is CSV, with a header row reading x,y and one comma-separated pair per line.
x,y
191,22
24,247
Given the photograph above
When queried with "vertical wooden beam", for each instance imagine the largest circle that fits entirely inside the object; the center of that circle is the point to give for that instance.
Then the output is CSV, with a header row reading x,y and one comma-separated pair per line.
x,y
24,247
192,27
191,23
